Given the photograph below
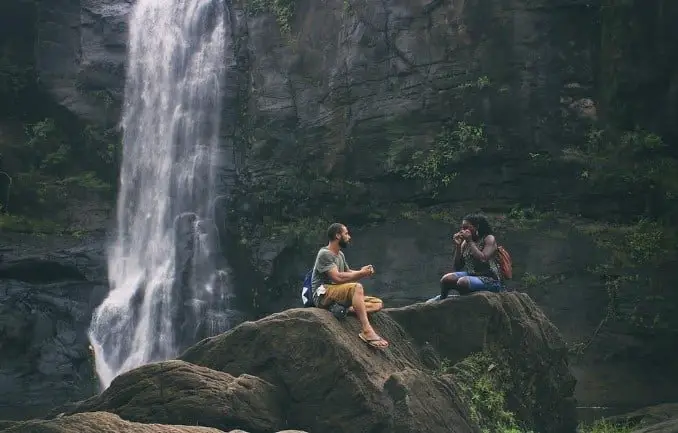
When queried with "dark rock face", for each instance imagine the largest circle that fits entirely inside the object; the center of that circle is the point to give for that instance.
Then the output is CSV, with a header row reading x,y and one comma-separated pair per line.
x,y
352,89
46,303
356,96
80,55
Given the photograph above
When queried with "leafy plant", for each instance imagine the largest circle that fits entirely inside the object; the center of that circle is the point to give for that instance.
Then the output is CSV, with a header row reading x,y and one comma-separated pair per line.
x,y
282,9
433,167
531,280
482,379
604,426
636,166
23,224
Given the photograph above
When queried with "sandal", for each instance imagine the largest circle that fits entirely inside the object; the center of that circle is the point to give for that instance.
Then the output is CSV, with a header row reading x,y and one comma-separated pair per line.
x,y
373,341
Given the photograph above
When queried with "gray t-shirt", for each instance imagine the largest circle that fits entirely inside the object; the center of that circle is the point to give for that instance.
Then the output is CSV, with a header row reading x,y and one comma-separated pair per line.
x,y
324,261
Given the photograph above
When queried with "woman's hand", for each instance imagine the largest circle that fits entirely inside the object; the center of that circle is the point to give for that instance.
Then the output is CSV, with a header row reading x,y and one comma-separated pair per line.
x,y
457,238
466,235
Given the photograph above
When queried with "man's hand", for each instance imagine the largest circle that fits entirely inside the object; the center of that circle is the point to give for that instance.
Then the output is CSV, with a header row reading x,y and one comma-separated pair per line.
x,y
367,270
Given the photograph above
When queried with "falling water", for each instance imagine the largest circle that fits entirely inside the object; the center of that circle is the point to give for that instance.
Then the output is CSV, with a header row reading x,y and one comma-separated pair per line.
x,y
166,284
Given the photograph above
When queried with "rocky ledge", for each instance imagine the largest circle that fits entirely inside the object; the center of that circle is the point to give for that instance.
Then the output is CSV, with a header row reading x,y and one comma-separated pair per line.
x,y
46,302
662,418
304,369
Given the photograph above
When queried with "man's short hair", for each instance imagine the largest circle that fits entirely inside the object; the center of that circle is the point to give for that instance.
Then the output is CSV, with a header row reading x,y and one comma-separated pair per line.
x,y
334,230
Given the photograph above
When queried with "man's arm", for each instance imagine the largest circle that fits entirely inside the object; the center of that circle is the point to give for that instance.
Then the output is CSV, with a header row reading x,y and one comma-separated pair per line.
x,y
346,277
488,250
325,263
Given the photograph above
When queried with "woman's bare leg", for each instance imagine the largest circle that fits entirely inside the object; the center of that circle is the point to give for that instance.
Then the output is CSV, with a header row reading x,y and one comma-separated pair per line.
x,y
447,282
463,286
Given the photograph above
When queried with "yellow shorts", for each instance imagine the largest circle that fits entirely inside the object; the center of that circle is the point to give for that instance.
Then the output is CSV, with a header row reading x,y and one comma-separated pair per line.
x,y
343,294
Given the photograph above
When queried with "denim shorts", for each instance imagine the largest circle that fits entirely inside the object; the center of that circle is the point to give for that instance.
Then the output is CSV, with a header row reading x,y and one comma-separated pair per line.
x,y
481,284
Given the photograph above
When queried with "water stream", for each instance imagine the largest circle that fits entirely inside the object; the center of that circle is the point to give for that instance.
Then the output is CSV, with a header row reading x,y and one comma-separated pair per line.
x,y
167,285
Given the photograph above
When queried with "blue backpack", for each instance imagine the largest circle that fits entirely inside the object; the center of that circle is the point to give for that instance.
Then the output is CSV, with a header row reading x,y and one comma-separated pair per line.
x,y
306,291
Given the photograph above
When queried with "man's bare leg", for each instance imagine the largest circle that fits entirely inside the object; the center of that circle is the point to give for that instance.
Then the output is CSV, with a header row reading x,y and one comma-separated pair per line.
x,y
373,307
370,307
358,303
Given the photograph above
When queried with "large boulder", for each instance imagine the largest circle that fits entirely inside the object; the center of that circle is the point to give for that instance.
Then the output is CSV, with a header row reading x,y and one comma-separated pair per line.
x,y
176,392
333,381
517,336
99,422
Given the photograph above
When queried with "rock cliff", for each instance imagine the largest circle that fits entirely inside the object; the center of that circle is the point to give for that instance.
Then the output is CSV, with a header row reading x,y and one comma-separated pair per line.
x,y
370,112
351,90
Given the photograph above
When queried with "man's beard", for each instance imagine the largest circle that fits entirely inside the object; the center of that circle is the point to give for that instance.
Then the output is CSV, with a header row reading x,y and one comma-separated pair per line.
x,y
343,243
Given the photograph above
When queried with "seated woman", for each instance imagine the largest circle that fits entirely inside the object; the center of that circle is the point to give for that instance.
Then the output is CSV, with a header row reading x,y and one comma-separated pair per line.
x,y
475,262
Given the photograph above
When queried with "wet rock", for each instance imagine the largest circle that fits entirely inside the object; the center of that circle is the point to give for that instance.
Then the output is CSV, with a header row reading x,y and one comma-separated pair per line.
x,y
46,303
44,358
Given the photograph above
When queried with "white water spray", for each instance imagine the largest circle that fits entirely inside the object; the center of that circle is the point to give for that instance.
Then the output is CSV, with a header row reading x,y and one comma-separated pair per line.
x,y
166,286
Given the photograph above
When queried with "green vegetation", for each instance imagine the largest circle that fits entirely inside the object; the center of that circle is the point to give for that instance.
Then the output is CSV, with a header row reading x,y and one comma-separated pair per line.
x,y
604,426
434,167
481,83
523,218
530,280
482,380
635,167
278,207
282,9
50,162
637,299
302,232
23,224
48,170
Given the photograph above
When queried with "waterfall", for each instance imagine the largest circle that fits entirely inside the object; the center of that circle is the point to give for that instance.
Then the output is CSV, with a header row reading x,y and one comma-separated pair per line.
x,y
166,285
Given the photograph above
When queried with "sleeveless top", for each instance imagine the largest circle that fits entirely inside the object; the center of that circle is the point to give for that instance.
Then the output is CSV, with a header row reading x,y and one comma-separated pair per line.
x,y
484,270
